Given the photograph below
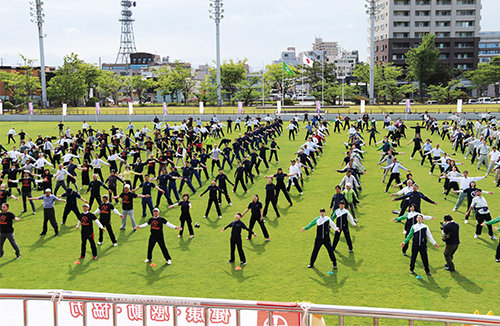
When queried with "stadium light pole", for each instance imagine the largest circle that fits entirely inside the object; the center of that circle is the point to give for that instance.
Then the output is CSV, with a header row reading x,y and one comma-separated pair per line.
x,y
371,10
36,12
216,13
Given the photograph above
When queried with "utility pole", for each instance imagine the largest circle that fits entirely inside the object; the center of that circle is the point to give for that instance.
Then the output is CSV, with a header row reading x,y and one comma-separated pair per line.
x,y
216,14
372,9
36,12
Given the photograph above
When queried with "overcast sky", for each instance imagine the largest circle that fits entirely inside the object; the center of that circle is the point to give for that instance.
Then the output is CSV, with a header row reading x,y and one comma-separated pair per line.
x,y
255,29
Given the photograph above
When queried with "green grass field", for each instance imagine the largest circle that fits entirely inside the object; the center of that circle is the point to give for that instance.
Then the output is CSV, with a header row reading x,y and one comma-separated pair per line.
x,y
376,274
416,109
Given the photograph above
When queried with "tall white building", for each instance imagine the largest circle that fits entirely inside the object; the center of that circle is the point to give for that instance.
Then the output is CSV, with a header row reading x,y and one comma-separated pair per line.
x,y
331,49
401,24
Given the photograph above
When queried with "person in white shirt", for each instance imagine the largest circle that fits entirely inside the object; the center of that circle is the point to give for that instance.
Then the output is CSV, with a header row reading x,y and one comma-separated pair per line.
x,y
436,153
96,165
293,177
60,176
407,189
494,156
482,152
10,135
85,127
291,130
40,163
480,205
394,170
464,183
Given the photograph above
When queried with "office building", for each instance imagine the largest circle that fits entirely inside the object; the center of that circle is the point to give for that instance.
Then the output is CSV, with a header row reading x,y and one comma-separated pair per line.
x,y
489,46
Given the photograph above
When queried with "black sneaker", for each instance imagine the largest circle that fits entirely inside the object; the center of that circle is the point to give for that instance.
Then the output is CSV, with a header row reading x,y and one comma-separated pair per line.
x,y
42,233
230,261
404,254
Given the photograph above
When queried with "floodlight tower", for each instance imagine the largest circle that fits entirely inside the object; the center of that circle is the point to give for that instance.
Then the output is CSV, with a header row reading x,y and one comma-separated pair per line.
x,y
216,13
372,9
36,12
127,40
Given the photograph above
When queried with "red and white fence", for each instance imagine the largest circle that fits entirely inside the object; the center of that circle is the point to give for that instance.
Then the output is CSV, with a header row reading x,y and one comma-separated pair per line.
x,y
58,307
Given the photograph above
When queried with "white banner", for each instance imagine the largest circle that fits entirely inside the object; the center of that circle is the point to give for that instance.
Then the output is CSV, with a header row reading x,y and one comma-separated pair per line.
x,y
362,107
459,105
278,104
130,108
240,107
201,108
64,109
1,107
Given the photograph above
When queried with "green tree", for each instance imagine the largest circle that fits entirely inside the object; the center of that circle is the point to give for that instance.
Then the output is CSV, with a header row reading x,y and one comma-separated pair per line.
x,y
109,84
231,73
164,82
333,93
141,85
278,79
422,62
68,85
486,74
182,81
446,93
248,91
206,91
22,85
314,75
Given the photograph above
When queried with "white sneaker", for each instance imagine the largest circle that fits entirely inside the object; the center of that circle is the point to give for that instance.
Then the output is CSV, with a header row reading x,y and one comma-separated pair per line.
x,y
430,172
99,243
147,261
220,216
169,262
493,237
204,216
411,158
454,209
301,193
466,221
476,236
230,204
115,244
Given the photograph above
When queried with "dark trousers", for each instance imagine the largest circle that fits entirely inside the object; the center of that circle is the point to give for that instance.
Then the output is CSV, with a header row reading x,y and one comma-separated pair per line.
x,y
99,173
295,181
239,180
347,236
317,246
68,209
262,227
10,237
160,194
153,240
109,229
480,219
497,256
62,184
173,187
372,137
395,177
415,150
226,194
428,156
217,207
281,187
90,238
403,207
214,163
449,251
49,215
137,177
25,196
147,202
415,250
271,200
188,182
96,197
275,154
186,220
236,242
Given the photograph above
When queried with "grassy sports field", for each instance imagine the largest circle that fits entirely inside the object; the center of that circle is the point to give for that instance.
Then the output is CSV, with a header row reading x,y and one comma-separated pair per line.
x,y
416,109
376,274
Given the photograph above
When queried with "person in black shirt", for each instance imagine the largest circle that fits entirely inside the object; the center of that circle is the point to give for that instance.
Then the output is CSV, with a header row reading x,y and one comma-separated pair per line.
x,y
112,183
273,150
280,185
172,185
156,235
270,197
185,217
128,205
240,170
338,196
138,167
212,198
236,226
71,205
105,218
95,190
7,231
255,207
26,182
197,165
452,240
417,147
187,174
85,219
415,198
221,178
226,151
147,201
4,194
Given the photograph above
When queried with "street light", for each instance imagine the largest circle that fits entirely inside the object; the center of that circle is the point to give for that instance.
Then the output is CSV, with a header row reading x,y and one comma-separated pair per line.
x,y
36,12
216,13
372,9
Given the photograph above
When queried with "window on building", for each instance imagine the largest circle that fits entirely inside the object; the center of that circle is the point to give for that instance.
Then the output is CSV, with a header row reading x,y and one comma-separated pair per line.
x,y
400,13
401,2
464,34
443,45
444,56
463,55
443,12
400,35
466,2
465,23
443,24
493,45
442,34
422,13
443,2
422,2
401,24
421,24
466,12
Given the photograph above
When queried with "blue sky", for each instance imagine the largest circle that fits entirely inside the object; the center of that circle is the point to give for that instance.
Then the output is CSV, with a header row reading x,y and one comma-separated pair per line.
x,y
257,29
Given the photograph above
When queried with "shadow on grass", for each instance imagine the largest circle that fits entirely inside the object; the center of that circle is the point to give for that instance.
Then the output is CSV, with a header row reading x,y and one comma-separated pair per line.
x,y
329,281
488,243
214,224
258,248
152,275
274,223
6,263
432,286
80,270
184,244
238,275
349,261
123,235
41,242
465,283
103,252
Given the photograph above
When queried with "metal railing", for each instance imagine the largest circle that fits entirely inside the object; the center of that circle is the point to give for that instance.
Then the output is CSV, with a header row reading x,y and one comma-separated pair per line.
x,y
304,310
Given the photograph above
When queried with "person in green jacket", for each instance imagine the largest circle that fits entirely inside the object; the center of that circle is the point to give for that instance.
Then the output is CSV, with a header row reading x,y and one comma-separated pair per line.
x,y
323,223
351,199
497,256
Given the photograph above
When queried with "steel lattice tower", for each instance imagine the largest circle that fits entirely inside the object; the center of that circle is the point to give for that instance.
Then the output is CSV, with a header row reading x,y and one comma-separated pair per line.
x,y
127,40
